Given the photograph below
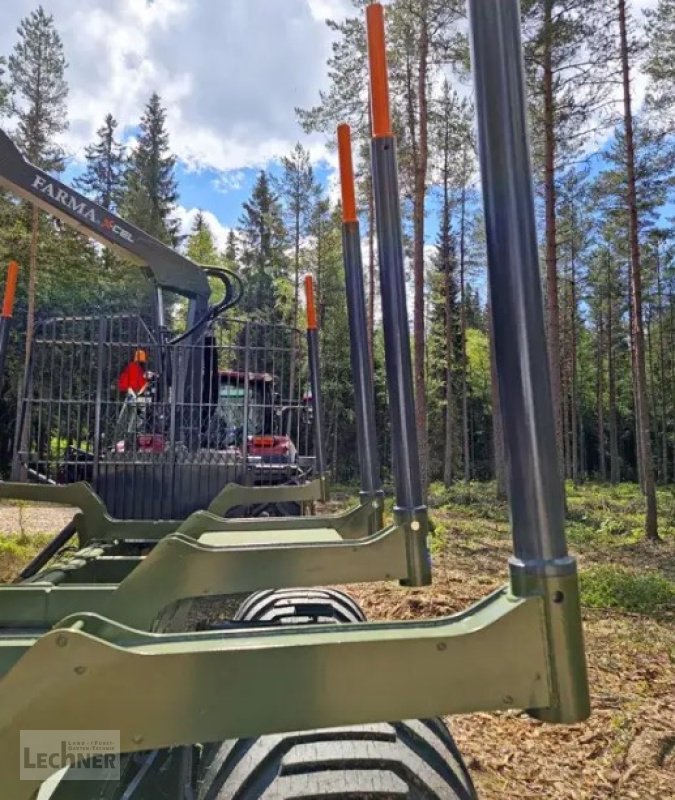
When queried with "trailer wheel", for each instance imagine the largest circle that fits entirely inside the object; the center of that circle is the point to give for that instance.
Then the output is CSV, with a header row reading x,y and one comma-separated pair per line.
x,y
411,760
299,606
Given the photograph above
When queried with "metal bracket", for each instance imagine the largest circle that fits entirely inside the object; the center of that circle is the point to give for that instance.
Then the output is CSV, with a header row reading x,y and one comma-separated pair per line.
x,y
244,684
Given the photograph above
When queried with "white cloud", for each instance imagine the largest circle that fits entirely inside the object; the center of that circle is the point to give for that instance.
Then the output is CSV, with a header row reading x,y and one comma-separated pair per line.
x,y
229,181
187,217
230,72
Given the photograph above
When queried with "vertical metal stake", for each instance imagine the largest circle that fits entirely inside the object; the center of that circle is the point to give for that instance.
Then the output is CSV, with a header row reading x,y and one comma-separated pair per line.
x,y
410,507
362,372
540,564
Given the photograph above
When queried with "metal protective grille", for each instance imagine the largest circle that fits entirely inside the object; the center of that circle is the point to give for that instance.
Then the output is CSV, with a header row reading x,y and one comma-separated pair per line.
x,y
159,430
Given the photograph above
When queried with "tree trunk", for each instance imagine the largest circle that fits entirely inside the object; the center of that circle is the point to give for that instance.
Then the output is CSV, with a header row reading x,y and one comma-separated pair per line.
x,y
602,468
449,426
574,402
552,303
32,281
651,391
662,371
497,424
419,202
644,441
462,333
614,472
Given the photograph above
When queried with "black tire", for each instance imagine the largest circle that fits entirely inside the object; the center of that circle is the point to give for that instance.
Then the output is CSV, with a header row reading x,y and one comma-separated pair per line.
x,y
415,759
300,607
285,509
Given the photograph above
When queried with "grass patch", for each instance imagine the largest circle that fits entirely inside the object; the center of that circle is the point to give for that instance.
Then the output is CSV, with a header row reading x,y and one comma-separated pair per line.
x,y
608,586
17,551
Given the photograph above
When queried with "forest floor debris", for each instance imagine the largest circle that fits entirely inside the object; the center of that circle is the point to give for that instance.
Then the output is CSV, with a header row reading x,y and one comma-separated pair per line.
x,y
626,749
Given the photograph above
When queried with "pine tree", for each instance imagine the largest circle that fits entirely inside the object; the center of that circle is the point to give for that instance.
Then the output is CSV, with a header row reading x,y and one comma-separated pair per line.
x,y
103,177
151,190
4,88
637,330
420,34
567,58
36,69
660,61
297,191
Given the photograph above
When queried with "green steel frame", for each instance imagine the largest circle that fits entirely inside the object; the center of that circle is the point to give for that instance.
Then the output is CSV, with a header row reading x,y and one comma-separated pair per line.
x,y
81,645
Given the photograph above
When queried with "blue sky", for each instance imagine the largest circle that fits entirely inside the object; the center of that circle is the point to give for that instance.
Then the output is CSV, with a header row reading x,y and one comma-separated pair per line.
x,y
230,73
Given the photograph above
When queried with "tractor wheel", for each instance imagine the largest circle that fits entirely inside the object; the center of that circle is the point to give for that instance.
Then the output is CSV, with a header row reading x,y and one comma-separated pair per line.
x,y
411,760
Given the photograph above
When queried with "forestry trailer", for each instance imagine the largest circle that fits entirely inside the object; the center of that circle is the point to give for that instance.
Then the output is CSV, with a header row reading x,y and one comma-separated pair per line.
x,y
111,646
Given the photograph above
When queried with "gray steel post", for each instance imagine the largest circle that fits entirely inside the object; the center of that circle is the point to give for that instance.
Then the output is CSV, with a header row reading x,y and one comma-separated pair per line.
x,y
247,401
101,351
361,363
540,563
313,358
362,373
410,508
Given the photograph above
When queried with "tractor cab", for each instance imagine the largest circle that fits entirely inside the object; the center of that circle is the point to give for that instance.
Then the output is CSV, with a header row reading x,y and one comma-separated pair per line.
x,y
251,419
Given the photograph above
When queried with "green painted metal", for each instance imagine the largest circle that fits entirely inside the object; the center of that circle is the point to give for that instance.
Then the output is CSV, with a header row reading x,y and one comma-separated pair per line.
x,y
38,605
181,567
234,495
169,689
351,524
565,642
94,524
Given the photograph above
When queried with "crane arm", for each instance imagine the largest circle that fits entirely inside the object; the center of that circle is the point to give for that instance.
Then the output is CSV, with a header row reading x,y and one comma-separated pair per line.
x,y
170,270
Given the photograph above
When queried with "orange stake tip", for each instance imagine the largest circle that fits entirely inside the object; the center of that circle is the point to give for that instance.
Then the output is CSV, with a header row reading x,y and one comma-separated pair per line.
x,y
346,174
379,78
311,303
10,289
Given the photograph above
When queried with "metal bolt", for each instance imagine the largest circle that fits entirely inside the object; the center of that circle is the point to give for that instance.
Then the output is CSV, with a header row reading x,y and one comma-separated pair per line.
x,y
80,670
414,525
61,640
137,739
441,646
507,700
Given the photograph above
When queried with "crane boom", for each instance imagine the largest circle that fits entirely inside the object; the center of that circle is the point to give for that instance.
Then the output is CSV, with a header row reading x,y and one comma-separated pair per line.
x,y
170,270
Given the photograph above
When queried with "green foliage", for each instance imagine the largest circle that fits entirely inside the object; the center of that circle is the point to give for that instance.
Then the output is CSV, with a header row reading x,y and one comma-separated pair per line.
x,y
608,586
104,176
660,61
151,190
263,259
17,551
478,354
38,89
201,246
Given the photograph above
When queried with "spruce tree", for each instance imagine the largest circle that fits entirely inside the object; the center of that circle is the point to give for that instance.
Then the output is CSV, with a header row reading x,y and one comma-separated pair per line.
x,y
201,246
151,190
263,238
231,250
103,177
38,88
